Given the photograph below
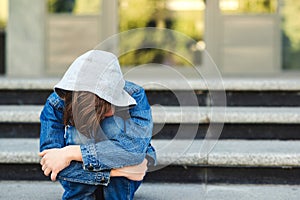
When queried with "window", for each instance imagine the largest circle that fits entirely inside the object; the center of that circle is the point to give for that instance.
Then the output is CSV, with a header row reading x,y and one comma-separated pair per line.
x,y
184,16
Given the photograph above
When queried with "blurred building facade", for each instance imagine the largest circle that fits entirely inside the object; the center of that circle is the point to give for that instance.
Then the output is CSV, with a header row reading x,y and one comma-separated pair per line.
x,y
244,37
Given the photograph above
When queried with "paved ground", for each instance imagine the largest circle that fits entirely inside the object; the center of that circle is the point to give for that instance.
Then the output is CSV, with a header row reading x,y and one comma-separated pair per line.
x,y
34,190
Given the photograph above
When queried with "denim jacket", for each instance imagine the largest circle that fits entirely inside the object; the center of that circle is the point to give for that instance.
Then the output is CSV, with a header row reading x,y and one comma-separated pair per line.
x,y
128,139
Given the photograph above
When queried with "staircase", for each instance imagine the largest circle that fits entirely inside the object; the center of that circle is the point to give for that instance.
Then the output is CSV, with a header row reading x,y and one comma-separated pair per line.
x,y
257,155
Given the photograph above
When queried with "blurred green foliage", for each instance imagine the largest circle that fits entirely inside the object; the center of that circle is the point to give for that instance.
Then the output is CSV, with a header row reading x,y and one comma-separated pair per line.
x,y
135,14
2,24
291,34
87,7
252,7
60,6
3,13
74,6
291,22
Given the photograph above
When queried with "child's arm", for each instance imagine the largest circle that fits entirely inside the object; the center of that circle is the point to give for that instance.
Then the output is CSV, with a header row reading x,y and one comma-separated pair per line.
x,y
52,127
52,137
56,160
129,146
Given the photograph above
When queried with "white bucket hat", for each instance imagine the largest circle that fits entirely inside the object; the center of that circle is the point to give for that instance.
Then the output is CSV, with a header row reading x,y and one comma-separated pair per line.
x,y
98,72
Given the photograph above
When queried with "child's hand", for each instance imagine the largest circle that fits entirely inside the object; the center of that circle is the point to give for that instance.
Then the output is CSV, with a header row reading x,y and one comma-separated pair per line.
x,y
134,173
55,160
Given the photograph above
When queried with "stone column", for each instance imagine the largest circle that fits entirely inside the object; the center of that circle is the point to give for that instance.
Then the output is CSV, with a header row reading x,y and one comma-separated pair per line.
x,y
212,33
109,18
26,38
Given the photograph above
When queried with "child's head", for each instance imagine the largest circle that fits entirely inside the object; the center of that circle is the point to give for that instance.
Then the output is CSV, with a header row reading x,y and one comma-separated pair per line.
x,y
97,72
91,87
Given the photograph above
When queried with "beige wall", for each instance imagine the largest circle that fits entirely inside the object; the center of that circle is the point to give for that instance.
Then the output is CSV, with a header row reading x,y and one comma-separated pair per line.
x,y
247,44
69,36
250,44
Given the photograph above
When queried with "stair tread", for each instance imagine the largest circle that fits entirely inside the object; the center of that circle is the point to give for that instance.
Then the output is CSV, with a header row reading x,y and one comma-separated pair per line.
x,y
156,82
183,114
251,153
27,190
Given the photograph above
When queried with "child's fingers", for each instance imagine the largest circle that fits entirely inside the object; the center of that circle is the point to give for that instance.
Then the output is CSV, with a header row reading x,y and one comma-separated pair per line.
x,y
44,167
47,171
53,176
41,154
42,162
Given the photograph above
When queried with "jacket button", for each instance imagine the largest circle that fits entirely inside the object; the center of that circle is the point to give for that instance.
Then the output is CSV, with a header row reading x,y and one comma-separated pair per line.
x,y
90,167
102,180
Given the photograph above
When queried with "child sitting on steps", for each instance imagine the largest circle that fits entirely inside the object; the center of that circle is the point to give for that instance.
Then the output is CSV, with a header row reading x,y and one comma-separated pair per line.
x,y
86,140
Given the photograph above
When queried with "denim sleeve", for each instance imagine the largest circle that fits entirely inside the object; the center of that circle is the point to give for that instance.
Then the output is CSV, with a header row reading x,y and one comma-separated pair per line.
x,y
75,173
128,147
52,136
52,127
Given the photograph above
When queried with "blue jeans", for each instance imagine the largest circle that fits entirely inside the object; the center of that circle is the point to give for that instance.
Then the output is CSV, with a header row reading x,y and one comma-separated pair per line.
x,y
119,188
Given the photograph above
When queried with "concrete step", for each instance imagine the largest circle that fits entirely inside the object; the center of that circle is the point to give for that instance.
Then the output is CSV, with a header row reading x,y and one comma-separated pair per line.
x,y
248,91
181,122
228,153
28,190
184,114
228,161
156,82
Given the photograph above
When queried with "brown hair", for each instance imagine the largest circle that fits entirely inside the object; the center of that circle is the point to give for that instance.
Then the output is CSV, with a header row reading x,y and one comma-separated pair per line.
x,y
84,110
